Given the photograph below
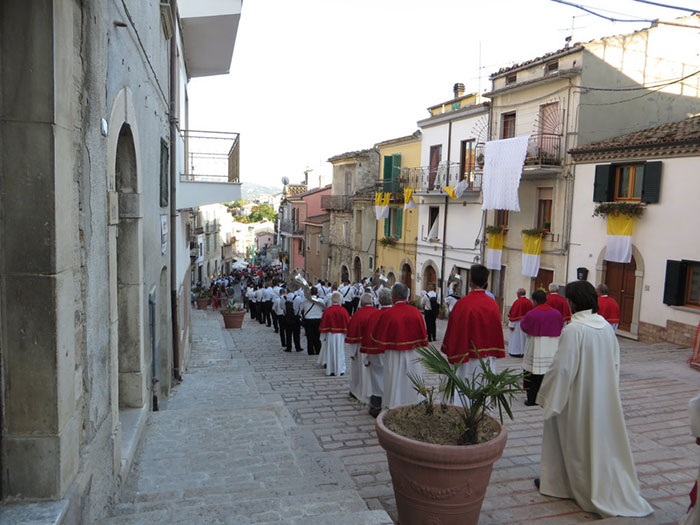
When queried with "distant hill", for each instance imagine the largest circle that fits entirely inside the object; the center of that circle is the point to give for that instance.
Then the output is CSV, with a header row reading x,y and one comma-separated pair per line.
x,y
250,191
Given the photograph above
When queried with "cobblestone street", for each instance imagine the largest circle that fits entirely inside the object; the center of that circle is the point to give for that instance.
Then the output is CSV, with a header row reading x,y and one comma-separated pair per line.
x,y
257,435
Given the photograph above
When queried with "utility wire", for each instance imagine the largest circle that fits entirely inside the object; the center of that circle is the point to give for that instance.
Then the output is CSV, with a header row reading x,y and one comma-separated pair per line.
x,y
659,4
594,13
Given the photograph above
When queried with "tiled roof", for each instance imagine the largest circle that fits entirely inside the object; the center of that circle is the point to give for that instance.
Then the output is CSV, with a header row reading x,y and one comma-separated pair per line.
x,y
318,219
352,154
682,132
296,189
548,56
312,191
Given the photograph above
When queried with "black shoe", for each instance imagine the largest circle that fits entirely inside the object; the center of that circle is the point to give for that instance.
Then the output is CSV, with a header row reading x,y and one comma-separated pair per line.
x,y
286,350
537,483
277,331
300,349
530,403
374,411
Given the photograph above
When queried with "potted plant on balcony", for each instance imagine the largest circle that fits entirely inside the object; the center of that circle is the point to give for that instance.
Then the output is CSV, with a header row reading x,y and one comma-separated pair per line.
x,y
387,241
441,456
233,314
202,297
535,232
630,209
494,230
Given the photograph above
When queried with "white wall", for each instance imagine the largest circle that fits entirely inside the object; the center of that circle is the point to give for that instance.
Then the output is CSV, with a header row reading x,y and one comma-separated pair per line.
x,y
667,230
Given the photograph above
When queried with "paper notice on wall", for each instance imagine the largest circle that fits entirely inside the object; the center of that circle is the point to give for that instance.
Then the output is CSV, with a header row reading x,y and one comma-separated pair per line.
x,y
163,234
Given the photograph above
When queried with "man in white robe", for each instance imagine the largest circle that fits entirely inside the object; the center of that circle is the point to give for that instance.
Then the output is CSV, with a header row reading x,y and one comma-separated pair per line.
x,y
586,454
692,517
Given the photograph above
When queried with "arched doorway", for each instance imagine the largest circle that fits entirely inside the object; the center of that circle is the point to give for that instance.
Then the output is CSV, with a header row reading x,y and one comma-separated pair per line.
x,y
344,273
407,275
429,277
620,279
357,267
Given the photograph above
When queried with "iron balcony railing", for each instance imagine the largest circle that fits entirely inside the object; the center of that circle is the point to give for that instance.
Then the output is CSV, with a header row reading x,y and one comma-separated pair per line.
x,y
292,227
543,149
336,202
210,156
426,179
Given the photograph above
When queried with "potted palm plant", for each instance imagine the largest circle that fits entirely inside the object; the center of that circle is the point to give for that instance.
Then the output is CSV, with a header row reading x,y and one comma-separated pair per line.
x,y
441,456
202,297
233,314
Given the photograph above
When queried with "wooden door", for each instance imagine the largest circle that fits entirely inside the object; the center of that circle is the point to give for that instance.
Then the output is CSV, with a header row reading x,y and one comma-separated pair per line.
x,y
543,280
620,280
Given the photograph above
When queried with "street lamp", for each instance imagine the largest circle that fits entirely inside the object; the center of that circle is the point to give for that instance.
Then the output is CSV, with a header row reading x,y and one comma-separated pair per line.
x,y
321,238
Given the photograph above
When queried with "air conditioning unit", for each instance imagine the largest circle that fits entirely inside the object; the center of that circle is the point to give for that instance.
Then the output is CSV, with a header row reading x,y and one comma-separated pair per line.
x,y
166,19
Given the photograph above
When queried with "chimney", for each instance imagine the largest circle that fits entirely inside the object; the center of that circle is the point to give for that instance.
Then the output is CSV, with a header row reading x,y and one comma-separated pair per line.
x,y
458,89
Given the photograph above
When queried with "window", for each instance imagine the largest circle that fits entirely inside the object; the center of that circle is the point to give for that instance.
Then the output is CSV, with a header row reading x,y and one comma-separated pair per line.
x,y
358,221
628,182
371,262
435,159
501,219
682,285
466,161
216,241
346,233
208,247
508,125
392,173
552,66
544,208
318,244
301,246
393,223
164,173
348,183
433,223
511,79
308,242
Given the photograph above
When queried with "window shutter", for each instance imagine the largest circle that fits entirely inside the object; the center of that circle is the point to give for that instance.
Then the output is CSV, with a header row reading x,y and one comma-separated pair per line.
x,y
396,171
388,167
651,185
604,182
387,226
674,286
399,222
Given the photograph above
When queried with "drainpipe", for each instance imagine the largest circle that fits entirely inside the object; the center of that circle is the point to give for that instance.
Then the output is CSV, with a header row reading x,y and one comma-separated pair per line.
x,y
447,203
173,204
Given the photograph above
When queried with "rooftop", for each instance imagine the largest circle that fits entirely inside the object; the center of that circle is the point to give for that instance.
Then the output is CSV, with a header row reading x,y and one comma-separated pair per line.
x,y
352,154
543,58
318,219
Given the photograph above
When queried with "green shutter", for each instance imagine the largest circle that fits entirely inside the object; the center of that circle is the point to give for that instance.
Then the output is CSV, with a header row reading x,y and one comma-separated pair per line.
x,y
674,285
396,171
387,225
399,222
388,171
651,185
604,182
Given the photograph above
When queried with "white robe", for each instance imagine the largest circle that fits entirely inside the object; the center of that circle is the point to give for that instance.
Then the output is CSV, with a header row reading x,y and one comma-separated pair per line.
x,y
539,354
693,515
398,389
516,343
374,369
334,346
356,366
586,454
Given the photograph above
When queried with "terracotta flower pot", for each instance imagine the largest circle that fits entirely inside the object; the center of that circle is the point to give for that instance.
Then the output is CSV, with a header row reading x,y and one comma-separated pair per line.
x,y
439,484
233,319
202,303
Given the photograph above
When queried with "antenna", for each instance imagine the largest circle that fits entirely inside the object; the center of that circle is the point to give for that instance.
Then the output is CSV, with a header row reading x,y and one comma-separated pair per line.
x,y
571,29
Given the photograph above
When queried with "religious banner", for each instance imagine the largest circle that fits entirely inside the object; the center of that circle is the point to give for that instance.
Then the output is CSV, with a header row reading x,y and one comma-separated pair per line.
x,y
379,206
494,251
619,238
408,201
450,190
532,248
386,199
461,187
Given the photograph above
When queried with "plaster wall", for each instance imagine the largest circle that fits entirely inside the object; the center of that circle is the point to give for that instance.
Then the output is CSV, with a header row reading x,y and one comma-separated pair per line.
x,y
654,245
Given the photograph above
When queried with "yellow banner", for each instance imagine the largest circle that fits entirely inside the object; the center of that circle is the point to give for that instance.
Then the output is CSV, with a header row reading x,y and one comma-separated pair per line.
x,y
387,199
450,190
407,195
378,199
620,225
532,244
495,241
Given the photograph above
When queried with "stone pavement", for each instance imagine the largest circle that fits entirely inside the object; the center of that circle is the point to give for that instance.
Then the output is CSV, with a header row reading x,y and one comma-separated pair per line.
x,y
257,435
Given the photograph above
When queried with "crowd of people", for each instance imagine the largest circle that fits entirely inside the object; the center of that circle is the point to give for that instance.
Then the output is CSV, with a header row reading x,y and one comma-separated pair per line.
x,y
570,353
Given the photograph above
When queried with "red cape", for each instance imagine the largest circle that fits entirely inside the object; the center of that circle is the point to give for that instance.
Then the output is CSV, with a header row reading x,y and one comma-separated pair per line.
x,y
557,301
358,324
608,308
520,307
335,320
367,346
474,324
400,327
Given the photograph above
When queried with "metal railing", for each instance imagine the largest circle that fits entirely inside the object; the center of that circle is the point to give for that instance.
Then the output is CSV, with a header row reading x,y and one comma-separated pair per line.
x,y
544,149
292,227
431,180
210,156
336,202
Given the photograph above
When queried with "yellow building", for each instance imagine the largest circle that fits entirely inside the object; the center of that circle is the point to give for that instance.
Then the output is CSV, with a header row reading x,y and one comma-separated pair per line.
x,y
397,234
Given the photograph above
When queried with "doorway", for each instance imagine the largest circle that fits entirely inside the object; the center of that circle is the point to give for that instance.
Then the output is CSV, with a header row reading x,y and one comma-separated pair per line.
x,y
357,265
344,273
620,278
407,275
543,280
429,278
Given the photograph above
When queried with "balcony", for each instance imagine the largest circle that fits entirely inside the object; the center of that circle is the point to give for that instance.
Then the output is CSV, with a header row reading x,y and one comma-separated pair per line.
x,y
426,180
209,168
291,229
336,202
544,149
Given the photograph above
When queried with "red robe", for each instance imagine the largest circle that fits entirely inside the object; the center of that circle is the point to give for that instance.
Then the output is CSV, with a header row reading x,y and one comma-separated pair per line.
x,y
520,307
557,301
400,327
359,323
608,308
335,320
474,324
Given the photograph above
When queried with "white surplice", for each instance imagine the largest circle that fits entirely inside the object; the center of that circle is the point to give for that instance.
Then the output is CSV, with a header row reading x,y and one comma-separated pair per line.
x,y
539,354
334,345
398,389
692,517
516,342
356,366
374,381
586,454
469,371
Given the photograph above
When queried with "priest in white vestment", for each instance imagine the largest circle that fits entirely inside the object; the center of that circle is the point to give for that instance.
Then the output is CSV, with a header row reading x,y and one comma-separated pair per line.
x,y
692,517
586,454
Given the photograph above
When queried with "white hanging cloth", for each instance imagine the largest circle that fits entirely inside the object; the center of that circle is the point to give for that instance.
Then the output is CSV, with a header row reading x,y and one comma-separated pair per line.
x,y
503,165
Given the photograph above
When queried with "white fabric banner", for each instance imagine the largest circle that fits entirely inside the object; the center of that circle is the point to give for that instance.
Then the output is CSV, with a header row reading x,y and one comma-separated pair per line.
x,y
531,264
493,259
461,188
382,212
618,248
503,165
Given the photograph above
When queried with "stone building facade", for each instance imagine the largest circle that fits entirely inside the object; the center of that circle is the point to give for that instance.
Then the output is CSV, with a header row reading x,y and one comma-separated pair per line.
x,y
352,228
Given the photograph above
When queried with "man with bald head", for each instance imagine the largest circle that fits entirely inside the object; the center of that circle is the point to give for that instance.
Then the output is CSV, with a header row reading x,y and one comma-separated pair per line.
x,y
521,306
607,306
557,302
399,331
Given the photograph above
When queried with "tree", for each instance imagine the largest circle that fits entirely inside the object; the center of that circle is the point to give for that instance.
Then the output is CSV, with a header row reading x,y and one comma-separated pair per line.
x,y
257,213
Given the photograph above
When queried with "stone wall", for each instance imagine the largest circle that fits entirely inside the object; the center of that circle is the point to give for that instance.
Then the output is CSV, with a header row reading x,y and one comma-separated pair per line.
x,y
674,332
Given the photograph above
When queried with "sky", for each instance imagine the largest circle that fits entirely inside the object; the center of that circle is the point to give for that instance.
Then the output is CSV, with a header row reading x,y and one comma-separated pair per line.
x,y
315,78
